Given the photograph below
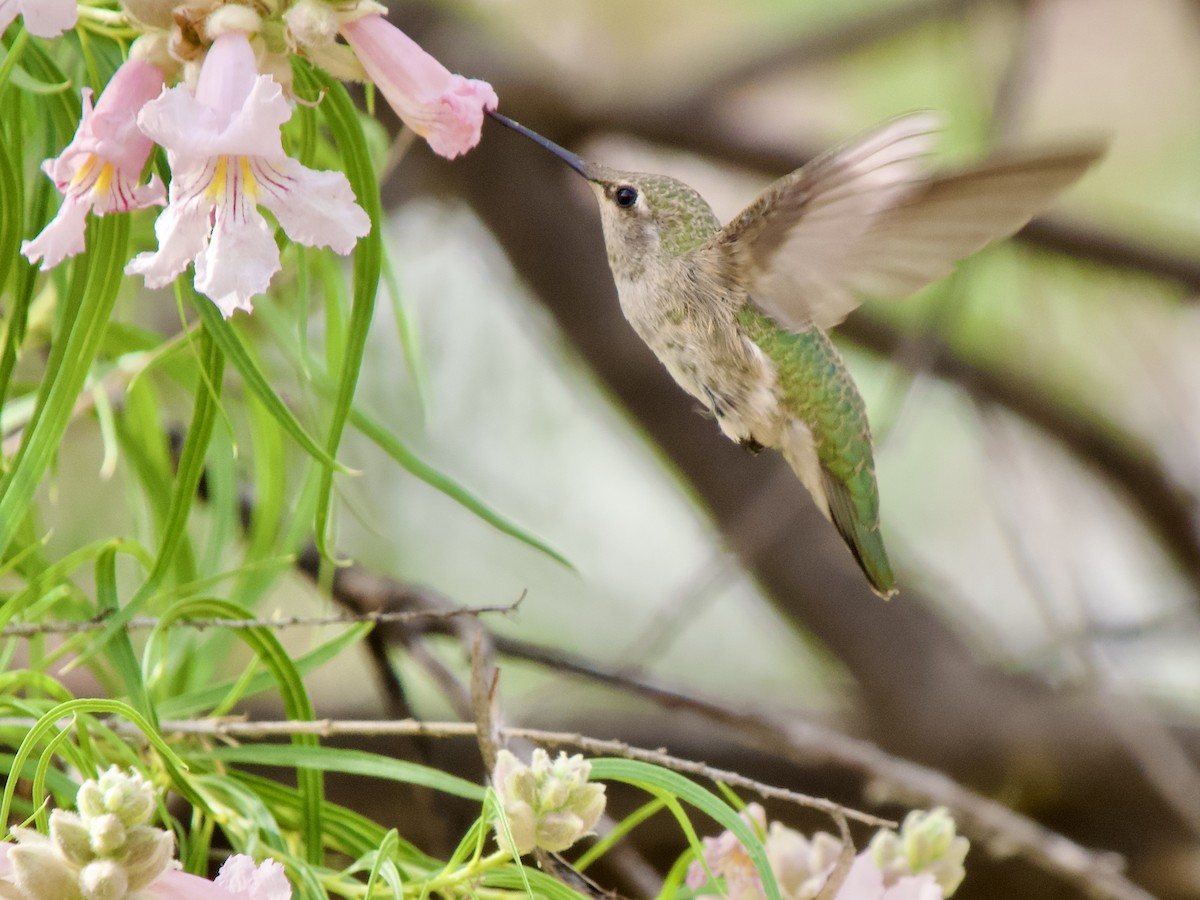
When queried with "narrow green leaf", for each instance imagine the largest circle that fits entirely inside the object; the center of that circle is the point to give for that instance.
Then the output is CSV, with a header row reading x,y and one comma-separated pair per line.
x,y
343,122
644,775
97,278
171,762
204,700
350,762
223,333
410,341
345,831
513,878
187,480
291,689
618,832
383,868
438,480
120,650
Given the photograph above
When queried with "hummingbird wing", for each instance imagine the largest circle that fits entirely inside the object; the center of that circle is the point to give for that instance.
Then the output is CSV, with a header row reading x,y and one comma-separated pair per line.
x,y
869,218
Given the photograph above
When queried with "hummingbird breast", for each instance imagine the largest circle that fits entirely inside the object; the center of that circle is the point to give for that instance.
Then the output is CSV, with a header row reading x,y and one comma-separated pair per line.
x,y
688,318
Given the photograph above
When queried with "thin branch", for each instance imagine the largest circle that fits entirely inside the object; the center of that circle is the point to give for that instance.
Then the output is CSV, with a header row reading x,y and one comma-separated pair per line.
x,y
805,743
143,623
238,729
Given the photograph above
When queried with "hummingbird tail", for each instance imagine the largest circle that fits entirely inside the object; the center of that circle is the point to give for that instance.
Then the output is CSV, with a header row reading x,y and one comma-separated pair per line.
x,y
862,537
855,513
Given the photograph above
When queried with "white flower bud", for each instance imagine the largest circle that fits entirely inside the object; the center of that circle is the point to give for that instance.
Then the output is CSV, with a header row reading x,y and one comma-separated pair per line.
x,y
148,854
106,834
232,17
547,805
126,795
927,844
104,879
39,871
311,24
70,835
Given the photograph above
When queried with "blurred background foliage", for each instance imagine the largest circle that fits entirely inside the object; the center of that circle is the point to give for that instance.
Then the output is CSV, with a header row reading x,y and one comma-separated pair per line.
x,y
1036,418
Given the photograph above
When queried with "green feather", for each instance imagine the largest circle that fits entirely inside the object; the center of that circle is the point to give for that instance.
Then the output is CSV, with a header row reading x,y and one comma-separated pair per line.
x,y
819,391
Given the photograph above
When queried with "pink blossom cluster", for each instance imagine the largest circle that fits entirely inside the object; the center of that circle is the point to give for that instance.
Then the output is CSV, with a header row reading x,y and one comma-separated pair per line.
x,y
223,143
923,861
238,879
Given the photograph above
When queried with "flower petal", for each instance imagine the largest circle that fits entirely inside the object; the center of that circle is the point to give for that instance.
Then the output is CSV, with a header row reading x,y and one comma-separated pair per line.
x,y
315,208
445,109
44,18
62,237
182,230
239,262
181,886
264,882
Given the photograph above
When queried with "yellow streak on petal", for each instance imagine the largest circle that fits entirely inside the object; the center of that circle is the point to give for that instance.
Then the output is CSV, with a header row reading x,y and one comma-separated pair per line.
x,y
83,171
216,187
104,179
249,182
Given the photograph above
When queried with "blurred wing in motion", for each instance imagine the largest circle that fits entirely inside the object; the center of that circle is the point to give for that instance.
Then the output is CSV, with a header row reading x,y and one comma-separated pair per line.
x,y
868,218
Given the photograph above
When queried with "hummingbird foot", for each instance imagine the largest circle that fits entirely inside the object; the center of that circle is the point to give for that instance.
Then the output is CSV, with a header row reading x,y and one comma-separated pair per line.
x,y
751,446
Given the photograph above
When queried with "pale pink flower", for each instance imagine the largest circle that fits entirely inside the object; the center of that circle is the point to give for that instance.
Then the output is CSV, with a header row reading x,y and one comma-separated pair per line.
x,y
226,159
44,18
100,169
445,109
239,879
801,867
728,859
865,881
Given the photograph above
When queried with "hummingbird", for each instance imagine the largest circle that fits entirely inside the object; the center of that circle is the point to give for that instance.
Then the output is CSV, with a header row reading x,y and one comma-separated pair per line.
x,y
739,313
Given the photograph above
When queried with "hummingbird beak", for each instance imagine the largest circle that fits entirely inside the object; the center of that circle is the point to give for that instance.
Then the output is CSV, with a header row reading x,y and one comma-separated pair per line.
x,y
575,162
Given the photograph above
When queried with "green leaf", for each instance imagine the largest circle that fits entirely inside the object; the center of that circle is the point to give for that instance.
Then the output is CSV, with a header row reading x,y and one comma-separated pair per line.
x,y
395,448
350,762
205,699
187,480
96,279
121,651
343,122
171,762
291,688
223,333
346,831
513,877
448,486
647,777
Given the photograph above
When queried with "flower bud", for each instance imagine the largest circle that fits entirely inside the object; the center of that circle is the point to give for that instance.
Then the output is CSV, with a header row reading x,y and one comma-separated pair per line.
x,y
232,17
311,24
926,844
39,871
106,834
128,797
104,879
801,865
547,805
147,855
71,837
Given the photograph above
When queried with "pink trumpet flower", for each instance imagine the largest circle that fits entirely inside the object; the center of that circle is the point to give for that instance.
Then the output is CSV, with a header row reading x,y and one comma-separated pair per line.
x,y
100,169
227,158
239,879
445,109
44,18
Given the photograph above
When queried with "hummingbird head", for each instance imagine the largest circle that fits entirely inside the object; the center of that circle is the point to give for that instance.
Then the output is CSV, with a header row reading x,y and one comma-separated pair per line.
x,y
645,217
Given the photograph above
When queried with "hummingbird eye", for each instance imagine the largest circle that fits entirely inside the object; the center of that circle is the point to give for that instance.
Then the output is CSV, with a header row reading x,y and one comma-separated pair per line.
x,y
625,196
